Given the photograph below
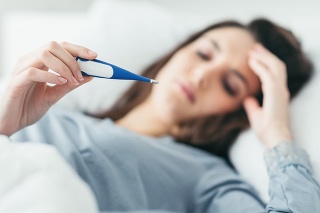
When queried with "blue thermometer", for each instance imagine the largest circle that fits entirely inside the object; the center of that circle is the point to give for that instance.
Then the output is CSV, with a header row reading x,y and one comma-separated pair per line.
x,y
100,69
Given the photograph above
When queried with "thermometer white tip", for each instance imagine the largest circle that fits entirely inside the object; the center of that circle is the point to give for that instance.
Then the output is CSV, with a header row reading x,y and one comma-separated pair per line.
x,y
153,81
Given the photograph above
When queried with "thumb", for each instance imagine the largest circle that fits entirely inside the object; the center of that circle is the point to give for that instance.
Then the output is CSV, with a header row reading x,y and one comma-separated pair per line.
x,y
58,91
252,107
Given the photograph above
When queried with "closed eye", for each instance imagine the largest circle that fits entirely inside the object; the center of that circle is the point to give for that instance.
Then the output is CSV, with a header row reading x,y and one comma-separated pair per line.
x,y
203,56
228,88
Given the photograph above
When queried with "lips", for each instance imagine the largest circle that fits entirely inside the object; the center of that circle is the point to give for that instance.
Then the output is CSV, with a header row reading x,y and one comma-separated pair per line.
x,y
188,91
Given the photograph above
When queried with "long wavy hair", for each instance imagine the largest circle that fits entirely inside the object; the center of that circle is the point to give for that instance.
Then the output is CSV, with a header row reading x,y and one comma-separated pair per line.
x,y
216,133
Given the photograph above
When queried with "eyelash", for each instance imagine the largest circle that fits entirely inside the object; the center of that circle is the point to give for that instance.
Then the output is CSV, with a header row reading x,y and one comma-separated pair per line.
x,y
228,88
203,56
225,84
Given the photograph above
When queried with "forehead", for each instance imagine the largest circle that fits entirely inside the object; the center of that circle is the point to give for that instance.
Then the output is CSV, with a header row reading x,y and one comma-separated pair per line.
x,y
235,44
235,41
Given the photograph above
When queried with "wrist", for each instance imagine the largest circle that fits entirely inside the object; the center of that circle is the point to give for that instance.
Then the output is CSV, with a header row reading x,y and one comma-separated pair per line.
x,y
274,138
7,128
6,131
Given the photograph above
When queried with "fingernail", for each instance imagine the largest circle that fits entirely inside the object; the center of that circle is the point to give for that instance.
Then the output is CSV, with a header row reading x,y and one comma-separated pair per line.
x,y
91,52
74,81
79,74
62,80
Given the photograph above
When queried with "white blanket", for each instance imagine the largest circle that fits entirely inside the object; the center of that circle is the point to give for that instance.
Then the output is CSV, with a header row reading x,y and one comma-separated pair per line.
x,y
35,179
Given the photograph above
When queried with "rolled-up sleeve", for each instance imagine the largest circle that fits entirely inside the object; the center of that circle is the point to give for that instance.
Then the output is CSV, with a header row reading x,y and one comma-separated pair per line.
x,y
293,187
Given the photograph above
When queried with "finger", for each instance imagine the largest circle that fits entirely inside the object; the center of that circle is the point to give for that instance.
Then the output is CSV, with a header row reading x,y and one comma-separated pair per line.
x,y
270,58
261,71
267,80
79,51
263,59
55,64
274,64
29,60
252,107
57,92
62,54
36,75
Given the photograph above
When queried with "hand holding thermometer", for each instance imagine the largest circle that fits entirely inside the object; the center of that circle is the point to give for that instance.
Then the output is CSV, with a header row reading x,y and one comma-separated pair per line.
x,y
101,69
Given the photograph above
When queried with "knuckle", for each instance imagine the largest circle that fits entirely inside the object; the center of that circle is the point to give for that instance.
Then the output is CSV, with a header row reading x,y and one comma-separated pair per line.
x,y
64,43
52,45
45,54
30,72
74,65
66,71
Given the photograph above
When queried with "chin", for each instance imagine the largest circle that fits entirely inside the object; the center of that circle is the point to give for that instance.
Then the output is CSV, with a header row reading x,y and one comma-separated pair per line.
x,y
168,109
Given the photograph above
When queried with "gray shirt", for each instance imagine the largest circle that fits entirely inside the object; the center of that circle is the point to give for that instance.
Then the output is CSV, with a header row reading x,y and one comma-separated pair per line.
x,y
132,172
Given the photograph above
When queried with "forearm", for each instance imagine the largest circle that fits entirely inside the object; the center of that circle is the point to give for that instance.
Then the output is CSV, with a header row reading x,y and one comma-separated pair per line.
x,y
293,187
9,117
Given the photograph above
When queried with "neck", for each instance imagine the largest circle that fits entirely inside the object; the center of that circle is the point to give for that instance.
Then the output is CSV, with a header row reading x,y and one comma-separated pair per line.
x,y
145,120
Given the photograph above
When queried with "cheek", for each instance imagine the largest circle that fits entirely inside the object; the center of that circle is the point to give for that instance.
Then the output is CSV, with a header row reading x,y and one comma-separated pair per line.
x,y
165,92
178,65
218,103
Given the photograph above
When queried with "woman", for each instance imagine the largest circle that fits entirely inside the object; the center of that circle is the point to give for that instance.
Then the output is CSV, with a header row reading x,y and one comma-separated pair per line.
x,y
133,161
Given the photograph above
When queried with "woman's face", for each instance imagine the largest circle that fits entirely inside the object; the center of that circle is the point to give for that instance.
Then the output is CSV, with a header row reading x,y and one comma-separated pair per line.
x,y
208,76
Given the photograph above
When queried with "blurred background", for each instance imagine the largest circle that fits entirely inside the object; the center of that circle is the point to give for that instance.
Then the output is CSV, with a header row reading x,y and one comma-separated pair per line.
x,y
35,6
44,5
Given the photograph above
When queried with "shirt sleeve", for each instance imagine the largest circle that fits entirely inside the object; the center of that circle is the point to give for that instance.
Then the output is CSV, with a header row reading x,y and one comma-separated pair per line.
x,y
293,187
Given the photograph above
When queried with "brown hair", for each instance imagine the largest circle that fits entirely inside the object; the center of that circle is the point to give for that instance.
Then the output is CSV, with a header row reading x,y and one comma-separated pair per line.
x,y
216,133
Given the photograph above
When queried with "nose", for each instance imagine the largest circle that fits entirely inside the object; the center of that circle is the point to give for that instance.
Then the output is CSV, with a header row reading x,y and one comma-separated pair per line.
x,y
201,77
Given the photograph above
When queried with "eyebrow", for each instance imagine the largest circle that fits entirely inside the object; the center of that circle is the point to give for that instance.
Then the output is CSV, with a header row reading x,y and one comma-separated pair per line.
x,y
234,71
241,77
216,45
